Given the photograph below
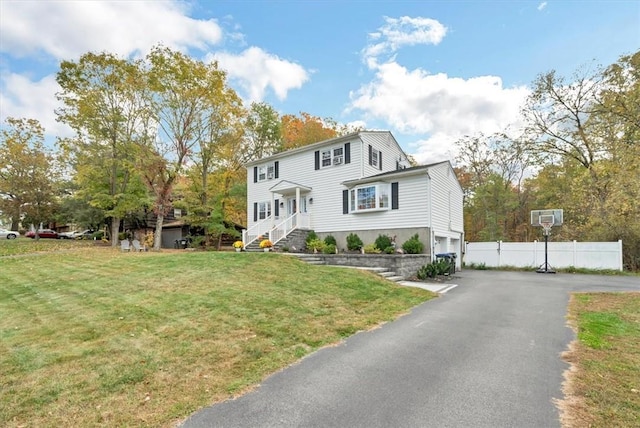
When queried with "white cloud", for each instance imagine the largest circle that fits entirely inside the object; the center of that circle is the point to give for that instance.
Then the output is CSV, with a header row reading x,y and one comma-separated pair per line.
x,y
438,147
542,5
442,107
257,71
45,32
22,98
403,31
68,29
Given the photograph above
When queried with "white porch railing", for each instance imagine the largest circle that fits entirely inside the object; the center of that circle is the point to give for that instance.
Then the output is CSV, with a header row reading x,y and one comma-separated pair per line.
x,y
255,231
296,221
279,231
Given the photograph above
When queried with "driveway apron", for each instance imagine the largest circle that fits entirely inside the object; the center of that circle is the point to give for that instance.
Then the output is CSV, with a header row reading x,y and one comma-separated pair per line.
x,y
486,354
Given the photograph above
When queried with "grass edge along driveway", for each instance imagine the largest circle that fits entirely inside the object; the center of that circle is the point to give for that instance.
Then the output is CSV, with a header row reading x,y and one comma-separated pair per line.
x,y
95,337
602,386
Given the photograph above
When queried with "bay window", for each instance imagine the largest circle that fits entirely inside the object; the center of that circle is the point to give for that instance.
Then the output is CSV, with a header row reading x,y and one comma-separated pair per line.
x,y
369,197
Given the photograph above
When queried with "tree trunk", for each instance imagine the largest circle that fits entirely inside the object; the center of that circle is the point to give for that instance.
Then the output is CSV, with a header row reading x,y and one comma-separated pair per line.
x,y
14,223
157,239
115,227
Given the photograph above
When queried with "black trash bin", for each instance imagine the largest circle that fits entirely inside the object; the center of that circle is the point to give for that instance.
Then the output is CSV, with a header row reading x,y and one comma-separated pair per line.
x,y
449,258
181,243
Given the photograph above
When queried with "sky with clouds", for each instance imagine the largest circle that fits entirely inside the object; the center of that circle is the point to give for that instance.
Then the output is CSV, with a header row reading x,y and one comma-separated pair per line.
x,y
428,71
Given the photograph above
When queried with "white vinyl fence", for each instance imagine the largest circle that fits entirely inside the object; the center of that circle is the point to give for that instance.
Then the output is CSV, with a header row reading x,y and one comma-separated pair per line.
x,y
590,255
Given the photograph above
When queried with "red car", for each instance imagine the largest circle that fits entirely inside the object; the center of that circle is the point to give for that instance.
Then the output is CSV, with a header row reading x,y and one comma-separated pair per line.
x,y
43,233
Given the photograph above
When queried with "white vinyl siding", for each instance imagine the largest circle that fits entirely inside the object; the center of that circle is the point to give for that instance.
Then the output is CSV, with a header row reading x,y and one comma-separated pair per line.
x,y
326,211
413,210
324,182
388,152
447,196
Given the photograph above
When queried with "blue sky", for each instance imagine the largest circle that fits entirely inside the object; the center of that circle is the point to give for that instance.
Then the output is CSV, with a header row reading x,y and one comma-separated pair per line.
x,y
428,71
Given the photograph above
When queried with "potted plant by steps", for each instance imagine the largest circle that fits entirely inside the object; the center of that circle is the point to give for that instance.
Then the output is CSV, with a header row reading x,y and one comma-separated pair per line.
x,y
238,246
266,245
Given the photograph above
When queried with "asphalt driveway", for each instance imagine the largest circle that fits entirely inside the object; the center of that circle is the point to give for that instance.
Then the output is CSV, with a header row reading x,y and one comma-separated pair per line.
x,y
485,354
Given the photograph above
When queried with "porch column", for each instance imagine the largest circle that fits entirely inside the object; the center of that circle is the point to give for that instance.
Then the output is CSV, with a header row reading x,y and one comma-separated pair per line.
x,y
273,209
297,200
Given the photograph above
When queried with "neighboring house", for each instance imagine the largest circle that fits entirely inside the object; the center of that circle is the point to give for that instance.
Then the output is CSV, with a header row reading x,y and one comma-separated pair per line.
x,y
359,183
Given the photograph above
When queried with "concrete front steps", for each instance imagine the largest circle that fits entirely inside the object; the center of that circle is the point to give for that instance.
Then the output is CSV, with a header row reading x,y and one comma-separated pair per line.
x,y
293,242
383,272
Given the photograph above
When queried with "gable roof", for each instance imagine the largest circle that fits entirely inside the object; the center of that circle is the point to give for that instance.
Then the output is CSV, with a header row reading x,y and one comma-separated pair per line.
x,y
314,146
286,185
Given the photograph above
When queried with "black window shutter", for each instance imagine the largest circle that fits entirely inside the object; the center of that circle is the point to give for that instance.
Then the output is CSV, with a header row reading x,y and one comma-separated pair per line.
x,y
347,153
380,160
255,211
276,208
275,169
255,174
394,196
370,155
397,165
345,202
317,154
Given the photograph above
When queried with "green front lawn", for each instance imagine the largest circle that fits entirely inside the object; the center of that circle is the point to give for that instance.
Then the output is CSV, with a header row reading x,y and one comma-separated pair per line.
x,y
603,387
91,336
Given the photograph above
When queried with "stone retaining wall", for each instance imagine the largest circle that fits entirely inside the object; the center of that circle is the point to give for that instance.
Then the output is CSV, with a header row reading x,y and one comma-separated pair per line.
x,y
405,265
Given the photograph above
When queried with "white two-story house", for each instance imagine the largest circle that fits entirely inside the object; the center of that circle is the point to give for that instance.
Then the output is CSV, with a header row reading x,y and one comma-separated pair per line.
x,y
360,183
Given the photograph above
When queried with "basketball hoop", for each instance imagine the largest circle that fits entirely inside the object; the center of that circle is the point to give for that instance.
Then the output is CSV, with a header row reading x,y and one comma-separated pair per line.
x,y
546,219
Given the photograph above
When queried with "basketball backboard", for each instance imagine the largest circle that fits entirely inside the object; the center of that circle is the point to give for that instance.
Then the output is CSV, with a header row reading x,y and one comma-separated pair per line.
x,y
538,217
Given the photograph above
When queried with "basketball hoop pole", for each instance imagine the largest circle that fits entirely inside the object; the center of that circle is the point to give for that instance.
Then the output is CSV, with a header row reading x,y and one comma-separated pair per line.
x,y
546,268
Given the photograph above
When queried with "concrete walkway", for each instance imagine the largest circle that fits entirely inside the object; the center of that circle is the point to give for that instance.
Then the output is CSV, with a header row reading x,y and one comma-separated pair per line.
x,y
485,354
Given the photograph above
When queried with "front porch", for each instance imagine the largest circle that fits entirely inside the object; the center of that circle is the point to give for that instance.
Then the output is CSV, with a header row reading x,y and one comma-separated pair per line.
x,y
288,198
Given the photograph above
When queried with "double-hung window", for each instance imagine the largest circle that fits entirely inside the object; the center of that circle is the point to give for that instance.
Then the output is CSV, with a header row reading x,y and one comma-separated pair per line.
x,y
375,157
264,210
326,158
331,156
265,172
262,173
338,155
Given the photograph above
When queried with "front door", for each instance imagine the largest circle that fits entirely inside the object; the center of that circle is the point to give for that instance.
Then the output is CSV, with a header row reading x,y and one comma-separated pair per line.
x,y
291,205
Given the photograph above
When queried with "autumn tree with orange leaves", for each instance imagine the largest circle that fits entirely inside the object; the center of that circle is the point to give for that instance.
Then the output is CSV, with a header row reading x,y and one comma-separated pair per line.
x,y
305,130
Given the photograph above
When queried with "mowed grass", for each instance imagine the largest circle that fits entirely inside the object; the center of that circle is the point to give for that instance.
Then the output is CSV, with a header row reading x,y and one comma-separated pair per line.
x,y
95,337
24,245
603,387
